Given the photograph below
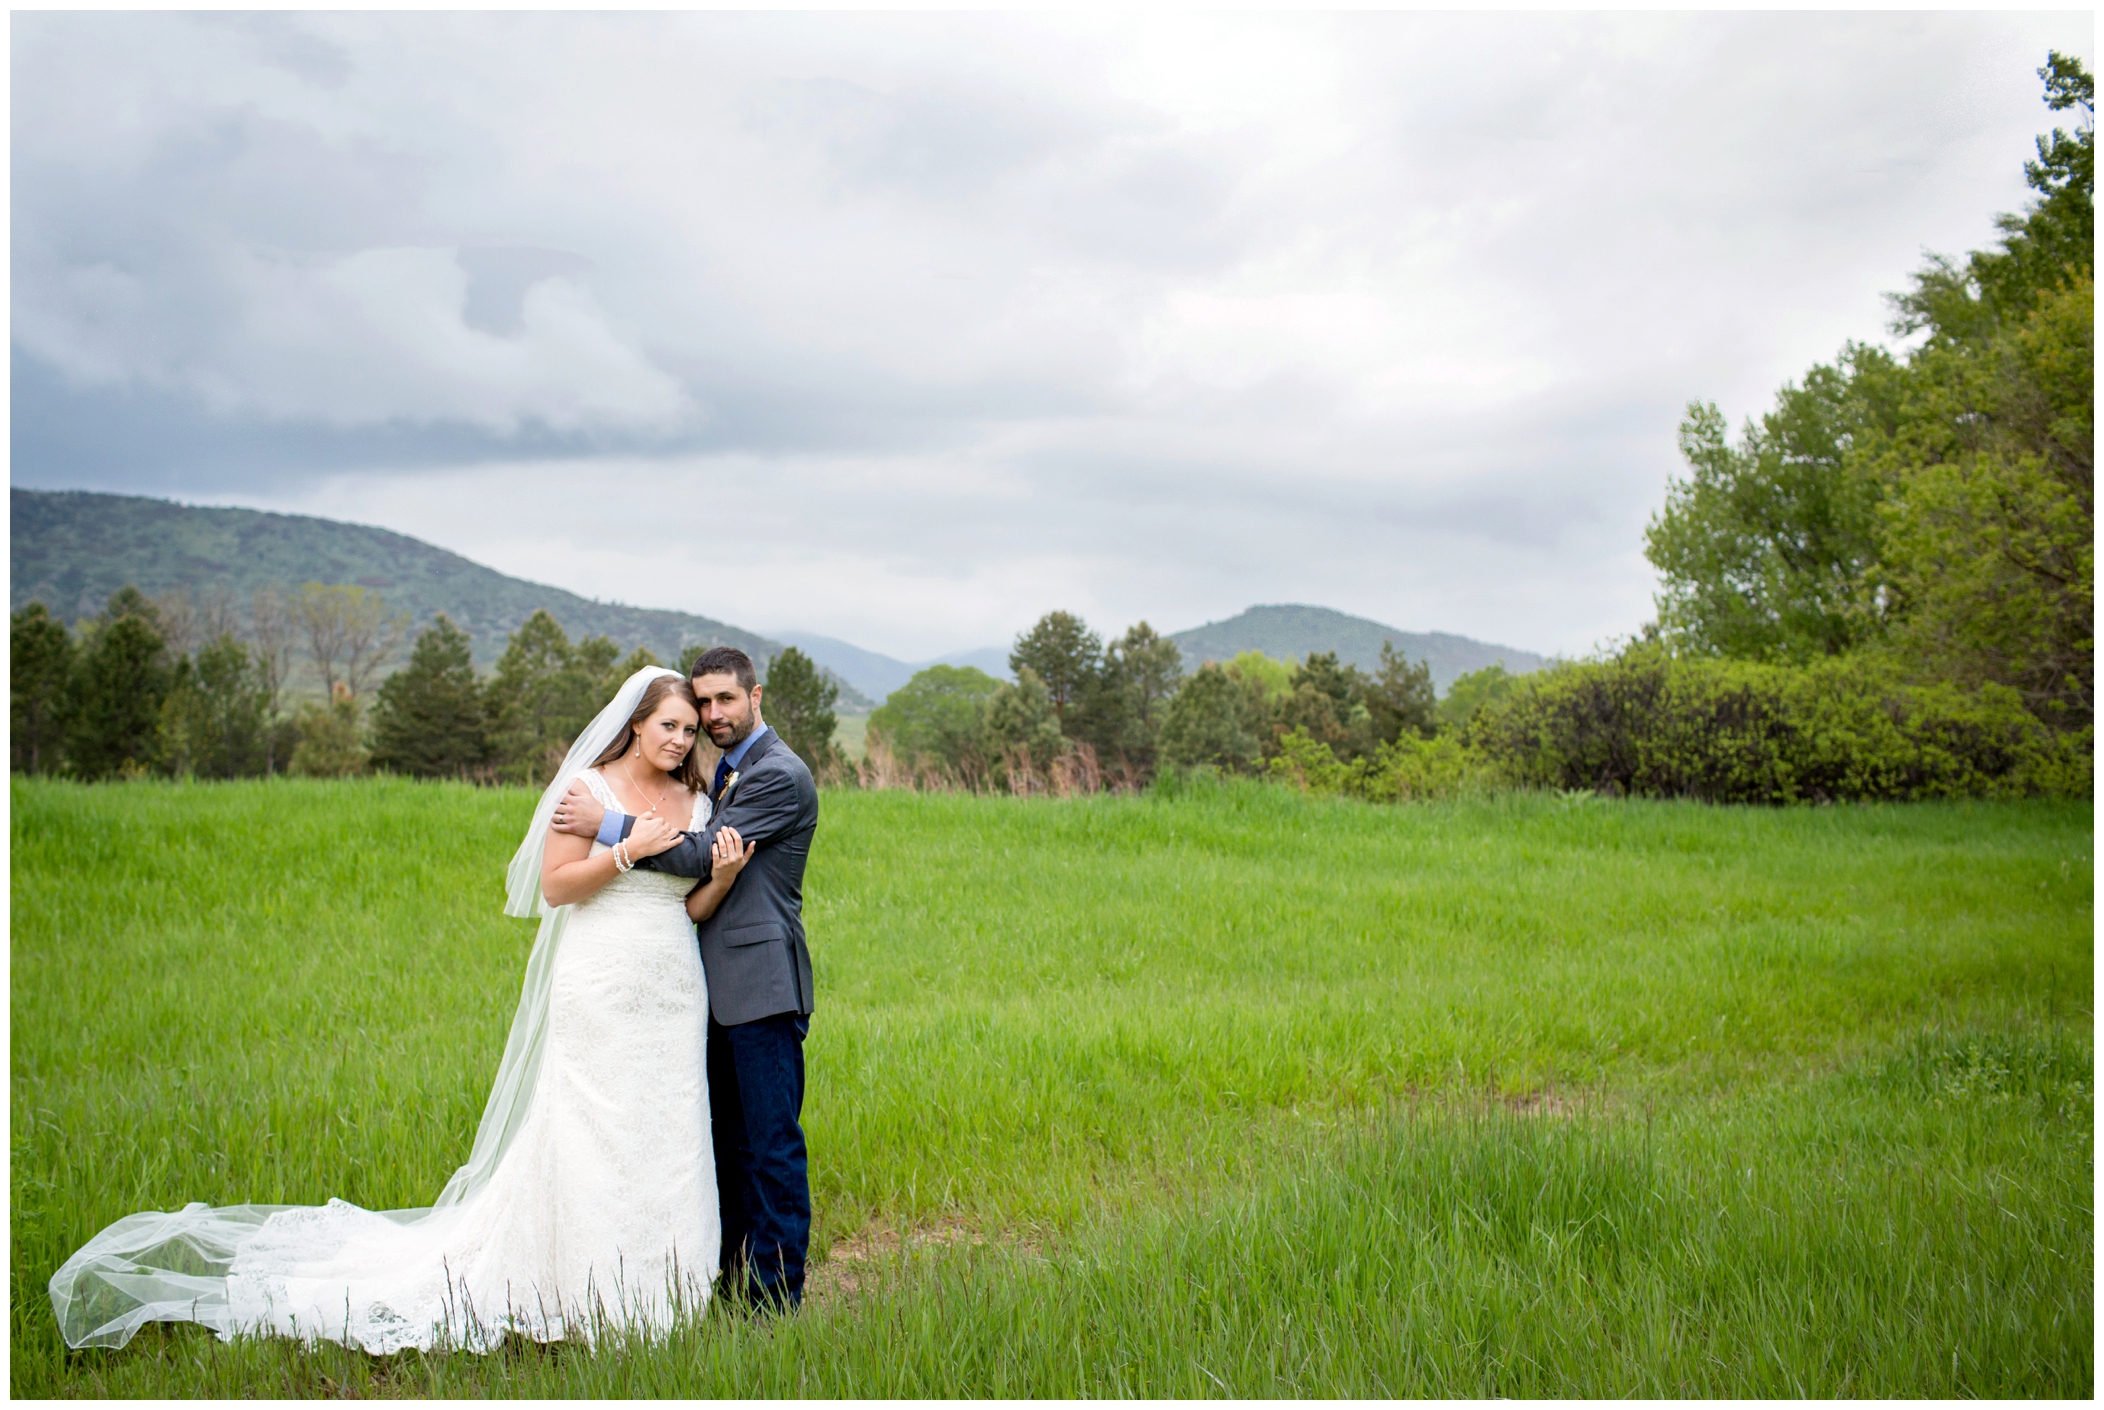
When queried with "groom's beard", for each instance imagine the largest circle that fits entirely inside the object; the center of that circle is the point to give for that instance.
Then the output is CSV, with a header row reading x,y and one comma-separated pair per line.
x,y
743,732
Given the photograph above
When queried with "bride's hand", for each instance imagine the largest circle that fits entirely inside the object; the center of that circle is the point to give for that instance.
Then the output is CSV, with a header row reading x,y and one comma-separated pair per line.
x,y
651,836
730,855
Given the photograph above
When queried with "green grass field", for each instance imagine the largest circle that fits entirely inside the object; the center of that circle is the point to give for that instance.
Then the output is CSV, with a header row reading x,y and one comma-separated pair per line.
x,y
1232,1092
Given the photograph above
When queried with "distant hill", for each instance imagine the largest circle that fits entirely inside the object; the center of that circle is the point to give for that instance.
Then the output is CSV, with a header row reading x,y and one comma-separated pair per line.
x,y
1289,632
877,675
71,549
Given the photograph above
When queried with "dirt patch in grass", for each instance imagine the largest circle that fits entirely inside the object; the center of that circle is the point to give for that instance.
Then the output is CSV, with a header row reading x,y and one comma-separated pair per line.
x,y
856,1263
1540,1103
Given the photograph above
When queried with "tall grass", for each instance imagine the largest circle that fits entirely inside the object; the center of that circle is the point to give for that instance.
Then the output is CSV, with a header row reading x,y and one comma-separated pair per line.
x,y
1239,1091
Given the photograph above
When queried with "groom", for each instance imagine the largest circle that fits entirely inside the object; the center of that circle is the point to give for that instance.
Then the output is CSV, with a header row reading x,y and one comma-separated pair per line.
x,y
759,975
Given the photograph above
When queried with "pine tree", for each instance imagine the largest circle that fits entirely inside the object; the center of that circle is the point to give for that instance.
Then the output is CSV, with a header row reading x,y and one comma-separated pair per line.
x,y
618,673
114,714
40,669
1022,725
1122,715
431,720
531,707
1400,697
1065,656
214,720
1214,721
798,704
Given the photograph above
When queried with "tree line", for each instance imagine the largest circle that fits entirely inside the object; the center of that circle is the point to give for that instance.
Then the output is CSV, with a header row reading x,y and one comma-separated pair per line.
x,y
1083,714
191,686
434,718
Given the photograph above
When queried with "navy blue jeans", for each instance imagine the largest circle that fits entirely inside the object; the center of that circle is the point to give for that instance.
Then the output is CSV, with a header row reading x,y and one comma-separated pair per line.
x,y
763,1183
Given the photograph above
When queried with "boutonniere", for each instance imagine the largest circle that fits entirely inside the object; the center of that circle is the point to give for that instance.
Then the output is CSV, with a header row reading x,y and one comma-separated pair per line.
x,y
728,785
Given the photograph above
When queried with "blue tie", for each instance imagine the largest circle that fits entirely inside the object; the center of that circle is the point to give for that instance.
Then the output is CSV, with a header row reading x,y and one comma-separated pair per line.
x,y
723,771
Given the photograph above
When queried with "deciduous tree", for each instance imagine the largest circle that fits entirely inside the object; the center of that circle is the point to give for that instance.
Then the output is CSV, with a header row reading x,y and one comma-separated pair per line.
x,y
1989,535
1966,301
1763,550
1475,691
273,637
1940,508
350,633
190,621
939,718
1271,679
332,737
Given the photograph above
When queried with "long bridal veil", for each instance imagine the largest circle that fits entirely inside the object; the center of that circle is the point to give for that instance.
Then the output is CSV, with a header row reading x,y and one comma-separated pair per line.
x,y
173,1266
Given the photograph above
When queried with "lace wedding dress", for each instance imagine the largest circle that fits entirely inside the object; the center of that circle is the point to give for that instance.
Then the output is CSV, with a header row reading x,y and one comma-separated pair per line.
x,y
590,1201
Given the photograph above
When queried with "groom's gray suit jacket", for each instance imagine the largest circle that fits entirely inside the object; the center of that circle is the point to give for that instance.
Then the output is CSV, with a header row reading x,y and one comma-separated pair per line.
x,y
752,949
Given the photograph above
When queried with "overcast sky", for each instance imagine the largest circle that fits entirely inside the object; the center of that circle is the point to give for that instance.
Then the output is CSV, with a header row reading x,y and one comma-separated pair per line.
x,y
910,329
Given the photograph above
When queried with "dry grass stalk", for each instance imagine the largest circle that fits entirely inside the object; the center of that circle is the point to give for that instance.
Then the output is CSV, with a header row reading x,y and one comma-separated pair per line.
x,y
1088,772
1075,771
880,768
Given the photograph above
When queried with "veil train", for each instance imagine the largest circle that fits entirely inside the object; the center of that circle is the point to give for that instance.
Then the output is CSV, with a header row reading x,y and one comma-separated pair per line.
x,y
173,1266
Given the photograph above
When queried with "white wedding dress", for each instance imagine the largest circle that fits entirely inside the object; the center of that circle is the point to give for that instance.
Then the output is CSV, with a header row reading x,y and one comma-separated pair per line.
x,y
593,1204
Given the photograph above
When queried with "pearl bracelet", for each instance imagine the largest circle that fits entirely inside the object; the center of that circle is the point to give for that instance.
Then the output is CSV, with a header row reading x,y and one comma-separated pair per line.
x,y
621,861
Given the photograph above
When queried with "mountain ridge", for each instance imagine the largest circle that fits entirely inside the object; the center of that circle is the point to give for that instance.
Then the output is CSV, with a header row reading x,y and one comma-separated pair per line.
x,y
876,674
1288,631
71,549
1284,631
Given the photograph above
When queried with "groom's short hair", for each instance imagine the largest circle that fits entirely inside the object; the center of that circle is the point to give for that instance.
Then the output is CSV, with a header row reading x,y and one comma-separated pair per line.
x,y
722,661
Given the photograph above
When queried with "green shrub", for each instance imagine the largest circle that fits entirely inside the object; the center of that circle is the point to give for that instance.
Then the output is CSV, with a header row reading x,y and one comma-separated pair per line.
x,y
1648,723
332,738
1410,767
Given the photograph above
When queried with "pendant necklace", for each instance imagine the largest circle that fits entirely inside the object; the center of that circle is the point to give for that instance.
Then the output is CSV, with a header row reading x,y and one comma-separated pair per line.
x,y
639,787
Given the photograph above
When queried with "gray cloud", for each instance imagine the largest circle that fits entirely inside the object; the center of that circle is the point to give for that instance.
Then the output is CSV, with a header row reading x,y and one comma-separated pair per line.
x,y
958,318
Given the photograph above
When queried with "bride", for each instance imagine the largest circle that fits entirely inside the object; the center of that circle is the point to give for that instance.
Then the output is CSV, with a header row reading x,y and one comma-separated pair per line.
x,y
588,1201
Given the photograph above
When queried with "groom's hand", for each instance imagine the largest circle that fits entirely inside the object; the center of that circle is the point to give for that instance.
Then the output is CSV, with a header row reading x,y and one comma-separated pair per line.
x,y
577,812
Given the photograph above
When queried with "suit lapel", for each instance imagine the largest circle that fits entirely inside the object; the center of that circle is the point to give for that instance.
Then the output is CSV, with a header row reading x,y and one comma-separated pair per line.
x,y
759,750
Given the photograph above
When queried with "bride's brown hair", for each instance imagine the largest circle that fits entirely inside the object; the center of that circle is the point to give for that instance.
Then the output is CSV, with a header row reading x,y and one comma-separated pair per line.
x,y
689,771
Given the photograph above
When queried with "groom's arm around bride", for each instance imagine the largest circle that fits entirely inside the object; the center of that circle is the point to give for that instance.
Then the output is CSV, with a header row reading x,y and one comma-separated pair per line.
x,y
753,947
